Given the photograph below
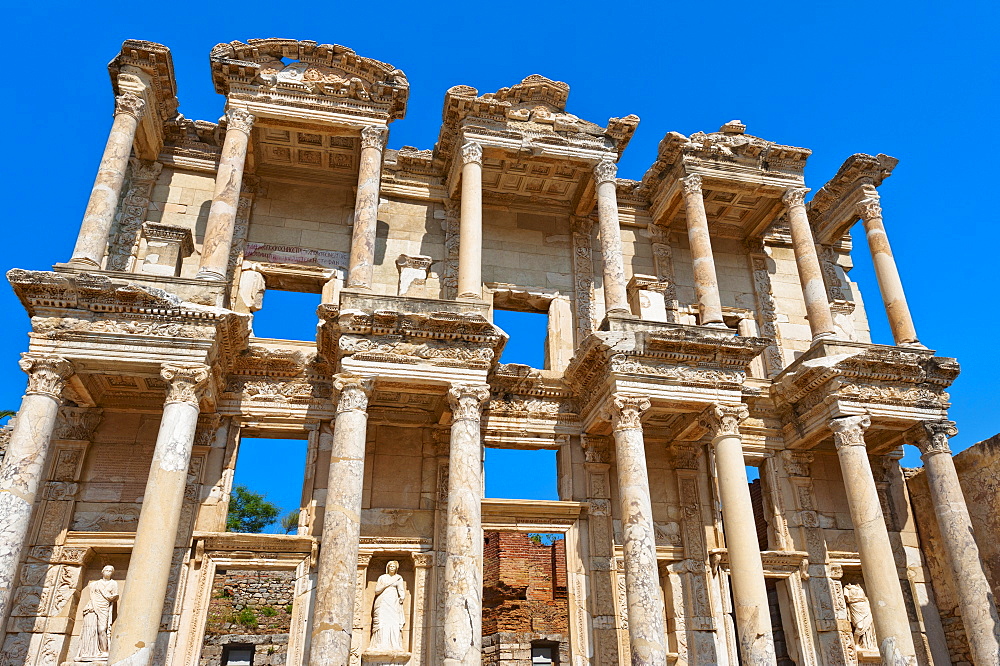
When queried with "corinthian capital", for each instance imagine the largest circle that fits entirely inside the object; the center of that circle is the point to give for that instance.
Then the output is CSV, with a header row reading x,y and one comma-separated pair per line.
x,y
472,152
850,430
724,420
240,119
626,411
353,392
869,208
47,374
374,137
467,400
795,196
185,382
605,171
691,184
130,103
932,437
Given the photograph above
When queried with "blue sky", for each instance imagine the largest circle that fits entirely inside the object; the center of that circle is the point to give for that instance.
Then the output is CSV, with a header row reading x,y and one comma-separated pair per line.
x,y
915,80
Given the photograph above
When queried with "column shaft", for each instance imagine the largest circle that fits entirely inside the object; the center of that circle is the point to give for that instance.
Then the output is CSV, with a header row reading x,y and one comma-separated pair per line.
x,y
361,272
615,294
100,214
24,463
900,321
221,225
133,635
470,230
706,281
463,595
807,261
336,576
975,597
878,566
646,616
746,569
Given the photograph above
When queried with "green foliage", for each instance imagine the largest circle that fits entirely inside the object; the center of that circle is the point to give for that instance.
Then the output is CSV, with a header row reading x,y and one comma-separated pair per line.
x,y
290,523
4,413
268,611
250,512
246,617
288,609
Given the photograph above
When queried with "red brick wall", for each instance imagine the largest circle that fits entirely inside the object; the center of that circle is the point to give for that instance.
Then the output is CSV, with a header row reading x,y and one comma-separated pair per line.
x,y
524,585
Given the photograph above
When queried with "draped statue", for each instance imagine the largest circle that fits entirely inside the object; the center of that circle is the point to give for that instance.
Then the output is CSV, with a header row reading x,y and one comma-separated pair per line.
x,y
387,615
96,631
860,610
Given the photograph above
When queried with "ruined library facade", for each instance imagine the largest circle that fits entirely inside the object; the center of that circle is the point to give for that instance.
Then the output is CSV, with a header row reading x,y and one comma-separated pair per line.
x,y
727,437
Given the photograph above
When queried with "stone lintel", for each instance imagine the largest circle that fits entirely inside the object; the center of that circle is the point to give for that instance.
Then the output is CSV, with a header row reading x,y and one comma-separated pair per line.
x,y
832,210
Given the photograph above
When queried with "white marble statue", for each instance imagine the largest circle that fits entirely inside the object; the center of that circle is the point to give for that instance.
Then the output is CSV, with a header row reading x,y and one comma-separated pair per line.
x,y
861,617
96,631
387,615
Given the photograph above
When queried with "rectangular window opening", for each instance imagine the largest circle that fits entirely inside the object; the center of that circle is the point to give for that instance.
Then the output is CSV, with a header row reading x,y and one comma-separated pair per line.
x,y
758,501
287,315
528,333
267,486
530,474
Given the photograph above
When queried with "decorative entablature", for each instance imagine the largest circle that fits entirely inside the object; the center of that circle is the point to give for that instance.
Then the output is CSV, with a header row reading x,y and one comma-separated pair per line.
x,y
834,208
679,368
410,171
743,178
526,399
123,328
146,69
266,379
411,339
323,83
896,386
191,144
531,148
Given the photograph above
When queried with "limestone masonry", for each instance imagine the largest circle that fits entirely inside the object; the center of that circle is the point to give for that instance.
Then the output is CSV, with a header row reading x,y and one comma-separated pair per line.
x,y
700,321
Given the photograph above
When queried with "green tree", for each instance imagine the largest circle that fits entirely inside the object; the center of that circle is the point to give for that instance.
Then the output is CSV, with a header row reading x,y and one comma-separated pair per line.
x,y
4,413
290,523
250,511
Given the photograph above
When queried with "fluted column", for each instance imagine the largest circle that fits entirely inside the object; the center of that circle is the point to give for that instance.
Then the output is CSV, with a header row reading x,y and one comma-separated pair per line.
x,y
807,261
746,569
642,585
463,572
975,597
706,281
900,321
362,268
615,295
333,612
470,229
228,181
24,463
878,566
100,214
133,635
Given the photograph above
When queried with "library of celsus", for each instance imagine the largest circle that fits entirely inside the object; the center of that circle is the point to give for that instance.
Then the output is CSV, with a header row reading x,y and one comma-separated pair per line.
x,y
727,437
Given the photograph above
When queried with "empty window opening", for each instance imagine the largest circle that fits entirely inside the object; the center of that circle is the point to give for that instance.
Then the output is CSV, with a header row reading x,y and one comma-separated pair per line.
x,y
237,654
544,652
758,501
528,333
287,315
267,486
522,474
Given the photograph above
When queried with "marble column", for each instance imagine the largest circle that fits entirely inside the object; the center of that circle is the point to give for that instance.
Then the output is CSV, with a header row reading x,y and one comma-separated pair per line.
x,y
100,214
24,464
221,225
807,261
470,229
333,611
900,321
878,565
646,618
362,264
463,571
975,597
615,295
746,569
134,632
706,281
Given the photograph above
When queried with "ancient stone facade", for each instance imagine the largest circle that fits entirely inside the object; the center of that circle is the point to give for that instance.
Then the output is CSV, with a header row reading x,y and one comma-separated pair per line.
x,y
700,321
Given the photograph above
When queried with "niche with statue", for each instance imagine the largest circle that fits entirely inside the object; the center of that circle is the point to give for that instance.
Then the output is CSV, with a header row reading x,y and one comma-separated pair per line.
x,y
387,607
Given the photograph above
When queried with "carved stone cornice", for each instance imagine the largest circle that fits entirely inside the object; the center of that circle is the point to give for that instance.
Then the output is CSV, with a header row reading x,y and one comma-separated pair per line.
x,y
185,382
353,392
625,411
155,61
240,119
850,430
472,153
374,137
605,172
931,437
724,420
131,104
47,374
834,207
467,401
795,196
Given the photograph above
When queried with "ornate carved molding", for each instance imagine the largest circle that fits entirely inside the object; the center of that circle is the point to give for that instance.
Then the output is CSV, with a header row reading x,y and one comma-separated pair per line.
x,y
47,374
931,437
625,411
605,171
185,382
240,119
869,208
374,137
797,462
77,423
691,184
583,275
467,400
124,244
130,103
596,449
724,420
353,392
472,152
850,430
795,196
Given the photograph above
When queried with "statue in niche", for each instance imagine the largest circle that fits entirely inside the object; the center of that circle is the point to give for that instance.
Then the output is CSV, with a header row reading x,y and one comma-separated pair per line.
x,y
97,618
860,611
387,615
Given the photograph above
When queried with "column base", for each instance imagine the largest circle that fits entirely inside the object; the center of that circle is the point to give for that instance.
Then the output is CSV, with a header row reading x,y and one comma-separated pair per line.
x,y
83,262
916,344
825,336
205,274
716,324
384,658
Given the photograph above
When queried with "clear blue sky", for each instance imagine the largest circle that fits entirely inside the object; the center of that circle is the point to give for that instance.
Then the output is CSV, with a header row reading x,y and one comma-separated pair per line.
x,y
915,80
